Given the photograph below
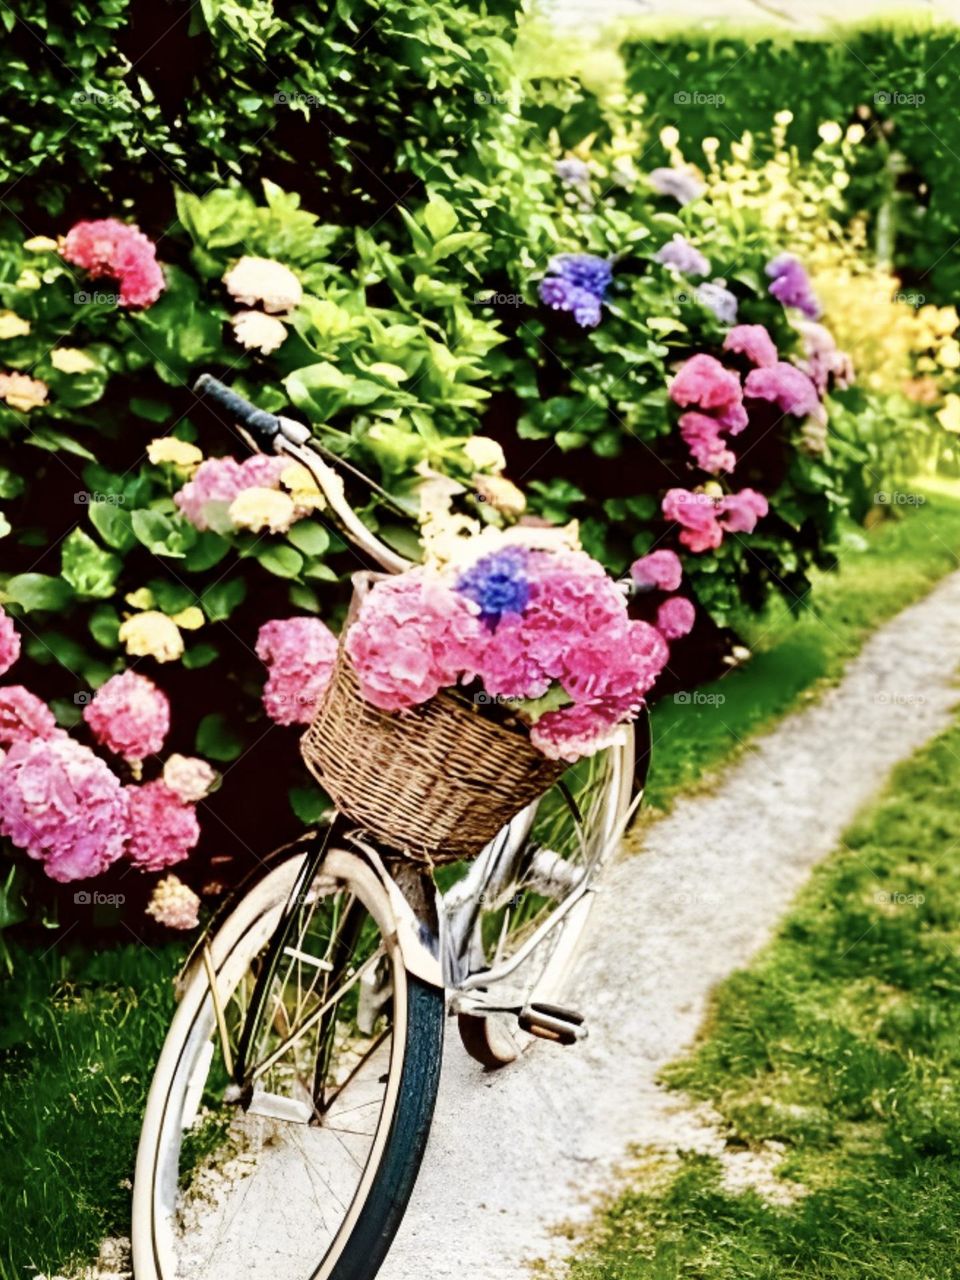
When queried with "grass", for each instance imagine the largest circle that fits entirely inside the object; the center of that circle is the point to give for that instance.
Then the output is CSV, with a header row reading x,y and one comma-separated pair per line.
x,y
80,1034
842,1043
896,564
81,1031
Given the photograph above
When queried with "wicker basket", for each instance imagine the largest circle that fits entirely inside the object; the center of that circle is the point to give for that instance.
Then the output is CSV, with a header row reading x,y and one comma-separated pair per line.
x,y
437,782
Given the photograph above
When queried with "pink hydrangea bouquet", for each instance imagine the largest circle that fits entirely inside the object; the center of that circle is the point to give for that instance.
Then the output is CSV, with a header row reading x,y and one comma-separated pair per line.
x,y
545,632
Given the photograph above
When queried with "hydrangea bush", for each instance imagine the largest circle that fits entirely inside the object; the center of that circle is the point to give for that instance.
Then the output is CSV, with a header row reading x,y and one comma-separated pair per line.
x,y
541,330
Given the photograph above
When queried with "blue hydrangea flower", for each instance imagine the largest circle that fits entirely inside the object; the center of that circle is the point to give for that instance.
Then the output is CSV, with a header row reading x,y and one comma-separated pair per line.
x,y
498,583
573,172
684,257
717,298
584,271
561,295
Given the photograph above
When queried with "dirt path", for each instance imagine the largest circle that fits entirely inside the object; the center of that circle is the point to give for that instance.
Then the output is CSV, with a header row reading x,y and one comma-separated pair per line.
x,y
515,1155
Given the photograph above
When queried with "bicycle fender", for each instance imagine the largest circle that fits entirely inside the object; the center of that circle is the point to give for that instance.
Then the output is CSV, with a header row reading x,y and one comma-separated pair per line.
x,y
415,902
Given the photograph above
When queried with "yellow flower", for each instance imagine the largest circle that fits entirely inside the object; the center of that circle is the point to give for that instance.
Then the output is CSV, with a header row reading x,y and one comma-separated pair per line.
x,y
783,117
669,136
21,392
484,454
190,619
260,508
71,360
28,279
944,321
298,479
252,280
170,449
949,415
855,133
12,325
949,354
830,132
151,635
142,598
501,493
40,244
257,332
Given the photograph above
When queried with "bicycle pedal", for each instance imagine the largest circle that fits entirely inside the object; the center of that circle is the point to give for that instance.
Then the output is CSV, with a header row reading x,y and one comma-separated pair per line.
x,y
553,1022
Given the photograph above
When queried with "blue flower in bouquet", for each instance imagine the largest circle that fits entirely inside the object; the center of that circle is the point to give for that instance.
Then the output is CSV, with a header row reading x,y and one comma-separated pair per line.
x,y
498,583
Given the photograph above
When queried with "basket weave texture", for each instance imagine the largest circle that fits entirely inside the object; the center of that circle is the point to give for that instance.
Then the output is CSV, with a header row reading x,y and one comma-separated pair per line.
x,y
435,783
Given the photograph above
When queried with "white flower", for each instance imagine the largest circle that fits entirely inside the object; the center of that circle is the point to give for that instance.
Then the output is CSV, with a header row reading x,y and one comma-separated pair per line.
x,y
484,454
253,280
259,508
258,332
174,904
12,325
189,776
71,360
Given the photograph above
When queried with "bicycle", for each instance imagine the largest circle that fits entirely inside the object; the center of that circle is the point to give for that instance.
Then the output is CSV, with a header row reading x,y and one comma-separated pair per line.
x,y
291,1103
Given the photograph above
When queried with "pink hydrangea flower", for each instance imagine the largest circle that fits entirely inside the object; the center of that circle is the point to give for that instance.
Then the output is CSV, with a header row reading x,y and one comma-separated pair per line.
x,y
696,513
108,247
659,570
162,829
824,363
754,342
675,617
217,482
129,716
702,436
9,642
788,388
704,382
63,806
300,654
572,732
739,512
704,519
24,717
412,637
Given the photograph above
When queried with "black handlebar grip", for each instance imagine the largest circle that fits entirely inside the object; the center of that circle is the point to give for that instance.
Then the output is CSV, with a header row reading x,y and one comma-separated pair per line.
x,y
262,426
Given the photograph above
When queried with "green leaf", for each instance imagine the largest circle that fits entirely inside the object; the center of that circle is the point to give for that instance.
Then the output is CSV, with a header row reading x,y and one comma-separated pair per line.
x,y
113,524
208,550
309,537
38,591
309,804
161,534
281,560
440,217
201,655
216,739
220,600
91,571
104,624
152,410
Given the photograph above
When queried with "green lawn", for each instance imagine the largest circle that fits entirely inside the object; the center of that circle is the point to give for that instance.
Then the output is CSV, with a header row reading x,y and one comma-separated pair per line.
x,y
841,1041
81,1031
898,563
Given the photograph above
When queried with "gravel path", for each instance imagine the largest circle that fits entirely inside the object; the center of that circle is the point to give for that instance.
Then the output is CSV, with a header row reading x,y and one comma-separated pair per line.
x,y
517,1154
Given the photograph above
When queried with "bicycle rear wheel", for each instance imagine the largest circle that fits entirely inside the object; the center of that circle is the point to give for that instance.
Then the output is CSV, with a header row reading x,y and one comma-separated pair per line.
x,y
305,1171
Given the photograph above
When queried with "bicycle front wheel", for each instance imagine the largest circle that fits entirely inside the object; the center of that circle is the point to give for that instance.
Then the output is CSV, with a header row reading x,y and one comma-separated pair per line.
x,y
303,1173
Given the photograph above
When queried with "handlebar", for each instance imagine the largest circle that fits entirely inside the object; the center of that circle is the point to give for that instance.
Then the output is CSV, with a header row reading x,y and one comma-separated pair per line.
x,y
271,433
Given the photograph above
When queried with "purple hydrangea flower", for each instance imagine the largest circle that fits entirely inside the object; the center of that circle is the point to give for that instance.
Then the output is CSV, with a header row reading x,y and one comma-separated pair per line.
x,y
561,295
498,583
791,285
573,172
717,298
585,270
679,184
680,254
